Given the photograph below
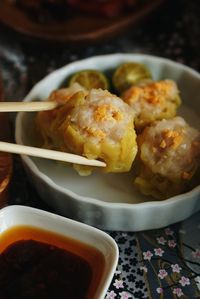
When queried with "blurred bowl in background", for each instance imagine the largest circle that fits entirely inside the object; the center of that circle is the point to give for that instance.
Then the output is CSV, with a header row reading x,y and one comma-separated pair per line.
x,y
78,23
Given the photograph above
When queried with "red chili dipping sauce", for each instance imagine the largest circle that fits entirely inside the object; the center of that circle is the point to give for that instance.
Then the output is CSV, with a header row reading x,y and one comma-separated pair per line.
x,y
37,264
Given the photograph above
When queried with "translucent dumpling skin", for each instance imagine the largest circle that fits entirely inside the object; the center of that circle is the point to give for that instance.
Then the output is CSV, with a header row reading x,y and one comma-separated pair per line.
x,y
152,100
95,124
169,153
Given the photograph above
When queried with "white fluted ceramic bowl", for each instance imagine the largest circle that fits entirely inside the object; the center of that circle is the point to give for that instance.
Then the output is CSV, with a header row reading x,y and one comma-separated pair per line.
x,y
109,201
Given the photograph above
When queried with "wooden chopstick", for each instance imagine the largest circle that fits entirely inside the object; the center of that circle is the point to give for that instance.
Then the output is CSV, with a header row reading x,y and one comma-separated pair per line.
x,y
27,106
48,154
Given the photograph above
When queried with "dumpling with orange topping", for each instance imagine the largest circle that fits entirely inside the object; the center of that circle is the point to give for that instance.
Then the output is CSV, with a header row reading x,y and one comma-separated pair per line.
x,y
95,124
47,122
152,100
62,95
169,153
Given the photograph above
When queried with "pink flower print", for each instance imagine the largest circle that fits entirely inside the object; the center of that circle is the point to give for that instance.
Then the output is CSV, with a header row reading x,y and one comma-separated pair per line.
x,y
172,243
161,240
184,281
118,284
118,272
196,253
169,232
176,268
147,255
143,268
111,295
125,295
162,273
159,290
159,251
178,292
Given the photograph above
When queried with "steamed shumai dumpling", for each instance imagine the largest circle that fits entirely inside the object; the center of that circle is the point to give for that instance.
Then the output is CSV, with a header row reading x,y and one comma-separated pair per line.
x,y
169,153
152,100
95,124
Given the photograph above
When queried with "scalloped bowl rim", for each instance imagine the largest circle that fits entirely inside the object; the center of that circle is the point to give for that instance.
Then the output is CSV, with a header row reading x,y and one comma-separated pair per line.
x,y
91,200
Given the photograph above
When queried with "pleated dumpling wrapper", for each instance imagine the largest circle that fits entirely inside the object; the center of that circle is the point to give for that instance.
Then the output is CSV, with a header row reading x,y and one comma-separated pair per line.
x,y
152,100
95,124
169,153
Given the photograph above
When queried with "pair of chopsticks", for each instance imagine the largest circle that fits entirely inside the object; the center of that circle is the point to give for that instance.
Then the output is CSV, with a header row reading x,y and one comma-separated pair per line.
x,y
39,152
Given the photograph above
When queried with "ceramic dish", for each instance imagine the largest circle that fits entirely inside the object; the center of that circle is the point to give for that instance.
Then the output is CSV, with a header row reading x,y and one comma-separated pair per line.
x,y
19,216
110,201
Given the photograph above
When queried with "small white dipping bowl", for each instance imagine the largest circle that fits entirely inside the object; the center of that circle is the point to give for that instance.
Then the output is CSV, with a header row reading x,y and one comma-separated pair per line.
x,y
109,201
15,216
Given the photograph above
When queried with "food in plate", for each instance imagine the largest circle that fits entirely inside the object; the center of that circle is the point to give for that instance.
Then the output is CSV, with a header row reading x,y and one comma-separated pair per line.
x,y
110,201
100,125
94,123
152,100
90,79
62,95
169,154
129,74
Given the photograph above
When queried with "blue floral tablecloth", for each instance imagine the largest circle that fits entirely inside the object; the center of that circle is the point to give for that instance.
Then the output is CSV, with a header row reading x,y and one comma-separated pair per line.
x,y
162,263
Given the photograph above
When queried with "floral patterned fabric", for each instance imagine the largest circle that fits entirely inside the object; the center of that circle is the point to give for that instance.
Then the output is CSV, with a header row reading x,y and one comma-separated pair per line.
x,y
161,263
